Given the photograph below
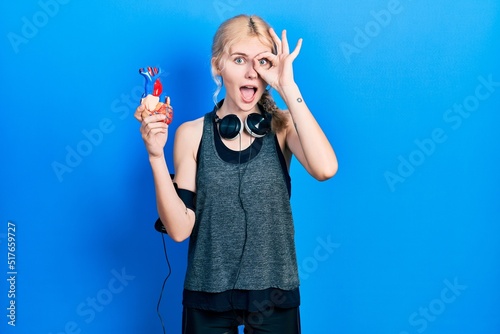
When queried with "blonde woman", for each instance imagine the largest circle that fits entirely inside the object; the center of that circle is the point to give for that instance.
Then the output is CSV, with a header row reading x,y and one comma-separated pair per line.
x,y
231,191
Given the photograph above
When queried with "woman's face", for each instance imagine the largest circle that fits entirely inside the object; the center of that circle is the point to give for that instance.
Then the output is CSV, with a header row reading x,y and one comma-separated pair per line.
x,y
244,86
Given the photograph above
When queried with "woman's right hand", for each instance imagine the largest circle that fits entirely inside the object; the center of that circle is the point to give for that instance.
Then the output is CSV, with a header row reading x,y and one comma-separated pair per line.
x,y
154,131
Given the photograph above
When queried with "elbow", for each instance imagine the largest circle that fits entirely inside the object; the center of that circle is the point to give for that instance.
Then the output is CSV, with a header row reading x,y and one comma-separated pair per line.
x,y
327,172
325,168
178,237
179,229
175,233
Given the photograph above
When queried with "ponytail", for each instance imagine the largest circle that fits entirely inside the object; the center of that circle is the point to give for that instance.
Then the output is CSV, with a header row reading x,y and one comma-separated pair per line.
x,y
269,105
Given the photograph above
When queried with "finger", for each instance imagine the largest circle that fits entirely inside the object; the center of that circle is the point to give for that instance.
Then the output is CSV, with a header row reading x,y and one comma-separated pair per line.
x,y
269,56
152,122
154,118
263,70
276,40
153,131
156,125
284,43
145,113
258,67
296,51
266,74
150,136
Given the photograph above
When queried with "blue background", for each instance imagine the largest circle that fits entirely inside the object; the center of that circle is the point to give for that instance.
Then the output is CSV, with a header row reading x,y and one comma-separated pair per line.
x,y
405,239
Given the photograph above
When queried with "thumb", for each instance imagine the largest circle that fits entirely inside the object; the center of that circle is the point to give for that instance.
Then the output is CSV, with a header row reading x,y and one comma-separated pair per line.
x,y
138,112
262,71
256,66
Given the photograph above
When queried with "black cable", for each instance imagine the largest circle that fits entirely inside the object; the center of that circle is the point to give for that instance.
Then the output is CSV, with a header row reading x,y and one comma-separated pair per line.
x,y
164,282
240,177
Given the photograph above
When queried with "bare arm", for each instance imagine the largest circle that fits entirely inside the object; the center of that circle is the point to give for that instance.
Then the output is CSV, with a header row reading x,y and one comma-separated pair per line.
x,y
303,136
177,219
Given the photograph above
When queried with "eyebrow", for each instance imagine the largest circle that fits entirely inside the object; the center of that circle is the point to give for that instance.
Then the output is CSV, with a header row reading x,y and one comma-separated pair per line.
x,y
239,54
244,54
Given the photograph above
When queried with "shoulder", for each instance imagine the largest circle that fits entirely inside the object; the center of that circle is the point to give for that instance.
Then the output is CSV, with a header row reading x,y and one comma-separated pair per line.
x,y
186,143
285,134
286,125
190,129
188,136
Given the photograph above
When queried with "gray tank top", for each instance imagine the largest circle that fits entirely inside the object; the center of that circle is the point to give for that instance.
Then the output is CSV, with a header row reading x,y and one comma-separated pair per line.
x,y
243,237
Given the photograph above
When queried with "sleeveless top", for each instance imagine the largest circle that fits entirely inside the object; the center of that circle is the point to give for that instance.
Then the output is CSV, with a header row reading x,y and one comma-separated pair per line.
x,y
243,237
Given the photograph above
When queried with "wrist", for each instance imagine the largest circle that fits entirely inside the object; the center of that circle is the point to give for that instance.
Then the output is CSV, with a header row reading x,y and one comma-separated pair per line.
x,y
290,93
156,159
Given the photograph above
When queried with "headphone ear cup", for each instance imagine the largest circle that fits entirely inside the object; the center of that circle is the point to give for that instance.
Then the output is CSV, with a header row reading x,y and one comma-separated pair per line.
x,y
229,127
257,125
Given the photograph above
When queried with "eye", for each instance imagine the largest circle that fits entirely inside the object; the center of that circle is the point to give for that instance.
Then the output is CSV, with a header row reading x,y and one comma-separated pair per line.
x,y
239,60
264,63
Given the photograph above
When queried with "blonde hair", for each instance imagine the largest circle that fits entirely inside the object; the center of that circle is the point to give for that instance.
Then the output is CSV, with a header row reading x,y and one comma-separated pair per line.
x,y
229,33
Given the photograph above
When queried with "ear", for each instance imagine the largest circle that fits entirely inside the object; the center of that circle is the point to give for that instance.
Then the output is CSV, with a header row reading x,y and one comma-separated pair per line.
x,y
215,67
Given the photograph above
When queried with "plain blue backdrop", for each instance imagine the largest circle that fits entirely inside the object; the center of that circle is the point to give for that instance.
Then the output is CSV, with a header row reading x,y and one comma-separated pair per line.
x,y
405,239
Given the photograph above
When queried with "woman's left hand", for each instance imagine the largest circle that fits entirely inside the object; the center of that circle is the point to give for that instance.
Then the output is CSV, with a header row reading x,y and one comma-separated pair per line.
x,y
278,71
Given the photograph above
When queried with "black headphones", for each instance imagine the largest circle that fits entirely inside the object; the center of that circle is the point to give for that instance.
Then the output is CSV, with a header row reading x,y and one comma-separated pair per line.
x,y
257,125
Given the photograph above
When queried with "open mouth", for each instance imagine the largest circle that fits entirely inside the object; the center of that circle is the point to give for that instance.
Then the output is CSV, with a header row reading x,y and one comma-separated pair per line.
x,y
248,93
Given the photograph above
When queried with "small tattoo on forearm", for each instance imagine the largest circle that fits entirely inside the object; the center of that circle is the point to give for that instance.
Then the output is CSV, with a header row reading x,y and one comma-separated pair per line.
x,y
299,100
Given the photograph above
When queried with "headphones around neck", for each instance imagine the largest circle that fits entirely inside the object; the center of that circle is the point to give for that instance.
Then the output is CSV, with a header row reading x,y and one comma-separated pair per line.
x,y
255,124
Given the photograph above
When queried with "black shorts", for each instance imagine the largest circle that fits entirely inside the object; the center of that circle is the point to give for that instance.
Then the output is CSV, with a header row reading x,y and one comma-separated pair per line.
x,y
274,321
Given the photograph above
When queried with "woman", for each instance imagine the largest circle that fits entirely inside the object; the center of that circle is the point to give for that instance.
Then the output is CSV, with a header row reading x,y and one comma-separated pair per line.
x,y
231,190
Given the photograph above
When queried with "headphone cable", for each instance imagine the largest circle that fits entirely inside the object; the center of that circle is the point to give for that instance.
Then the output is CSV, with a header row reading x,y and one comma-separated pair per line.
x,y
240,176
164,282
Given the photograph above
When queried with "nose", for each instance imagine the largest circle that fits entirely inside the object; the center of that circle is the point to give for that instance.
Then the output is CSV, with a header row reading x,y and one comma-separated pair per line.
x,y
251,73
